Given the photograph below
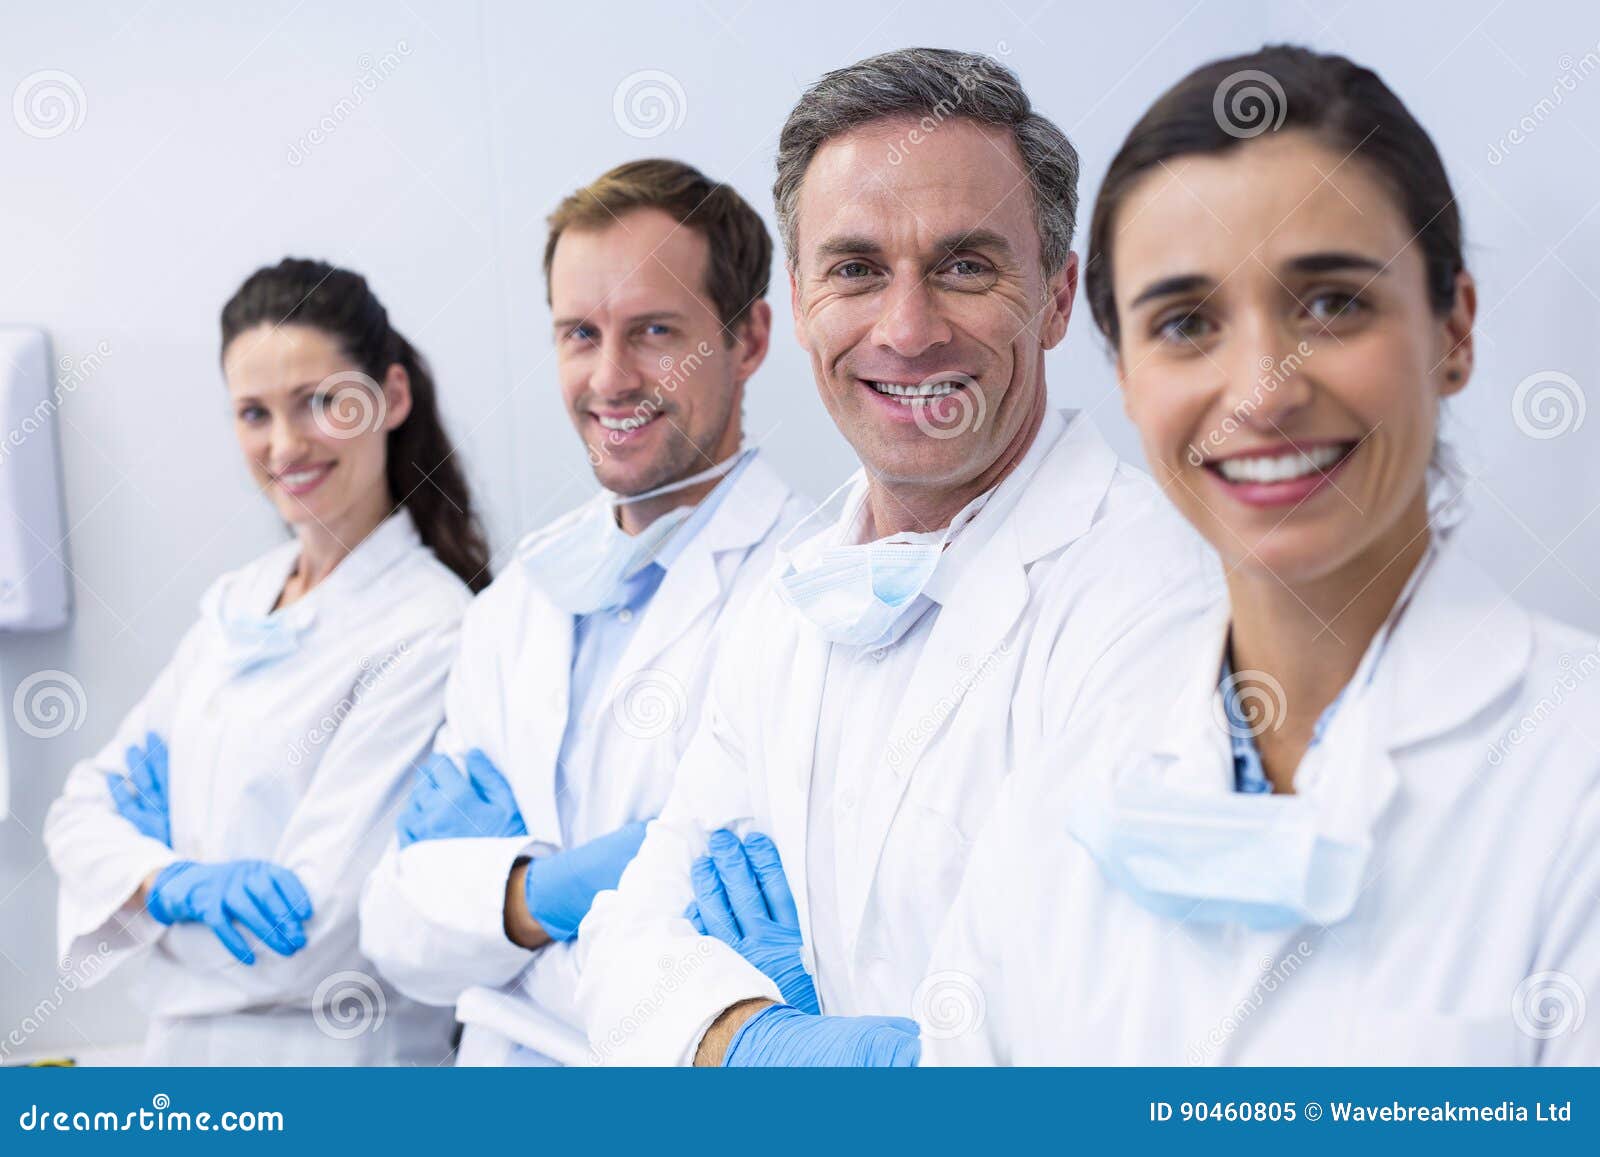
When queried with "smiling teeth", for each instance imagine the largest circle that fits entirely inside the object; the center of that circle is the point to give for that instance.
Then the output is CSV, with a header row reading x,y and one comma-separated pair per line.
x,y
1280,467
622,423
919,395
300,477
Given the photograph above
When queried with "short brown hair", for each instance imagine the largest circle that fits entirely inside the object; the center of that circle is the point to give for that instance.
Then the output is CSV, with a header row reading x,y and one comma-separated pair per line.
x,y
739,267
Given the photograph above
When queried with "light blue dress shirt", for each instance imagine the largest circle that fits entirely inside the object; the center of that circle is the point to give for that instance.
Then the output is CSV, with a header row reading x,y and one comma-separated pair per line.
x,y
1249,775
599,641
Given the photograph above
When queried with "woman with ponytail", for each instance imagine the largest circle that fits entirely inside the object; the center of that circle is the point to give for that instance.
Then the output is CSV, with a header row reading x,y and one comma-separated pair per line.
x,y
224,833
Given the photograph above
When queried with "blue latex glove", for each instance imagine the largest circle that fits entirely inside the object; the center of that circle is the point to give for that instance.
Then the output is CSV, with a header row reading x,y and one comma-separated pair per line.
x,y
742,898
267,899
783,1037
560,888
449,803
141,795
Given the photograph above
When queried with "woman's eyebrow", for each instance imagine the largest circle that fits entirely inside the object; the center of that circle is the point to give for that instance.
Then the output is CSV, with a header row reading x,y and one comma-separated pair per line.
x,y
1333,262
1171,286
1330,262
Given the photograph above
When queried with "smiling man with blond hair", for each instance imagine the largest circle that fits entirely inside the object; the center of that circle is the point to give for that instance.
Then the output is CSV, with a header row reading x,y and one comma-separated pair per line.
x,y
582,665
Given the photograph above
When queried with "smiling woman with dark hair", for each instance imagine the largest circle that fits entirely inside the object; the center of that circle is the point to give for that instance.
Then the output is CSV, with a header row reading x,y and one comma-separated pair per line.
x,y
244,799
1353,818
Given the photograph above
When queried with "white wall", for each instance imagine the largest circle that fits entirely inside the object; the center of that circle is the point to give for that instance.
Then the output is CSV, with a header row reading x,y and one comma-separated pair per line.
x,y
192,166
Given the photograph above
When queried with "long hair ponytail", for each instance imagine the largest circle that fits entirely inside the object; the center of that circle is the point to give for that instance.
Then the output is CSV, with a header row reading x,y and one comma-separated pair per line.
x,y
422,470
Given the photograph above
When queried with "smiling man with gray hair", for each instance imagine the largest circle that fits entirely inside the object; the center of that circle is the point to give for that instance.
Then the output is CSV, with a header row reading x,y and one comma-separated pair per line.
x,y
928,628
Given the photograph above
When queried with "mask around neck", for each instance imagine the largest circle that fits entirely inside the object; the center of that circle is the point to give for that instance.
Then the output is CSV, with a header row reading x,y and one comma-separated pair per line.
x,y
1219,857
857,595
586,567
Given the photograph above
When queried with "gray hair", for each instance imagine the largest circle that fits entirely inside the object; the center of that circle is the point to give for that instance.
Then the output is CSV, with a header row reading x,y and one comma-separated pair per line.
x,y
933,84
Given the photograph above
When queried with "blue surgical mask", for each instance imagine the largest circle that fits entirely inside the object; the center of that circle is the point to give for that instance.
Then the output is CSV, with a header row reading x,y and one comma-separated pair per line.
x,y
585,566
1220,857
857,595
251,641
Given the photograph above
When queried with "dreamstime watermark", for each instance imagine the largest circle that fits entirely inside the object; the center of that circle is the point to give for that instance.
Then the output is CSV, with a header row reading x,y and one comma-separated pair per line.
x,y
947,1005
1249,103
1274,974
1575,670
972,70
374,71
648,103
71,373
1274,372
929,722
673,973
1254,698
674,372
951,415
1547,1005
49,703
48,104
372,674
347,1004
160,1117
1548,404
349,404
1566,82
71,977
650,703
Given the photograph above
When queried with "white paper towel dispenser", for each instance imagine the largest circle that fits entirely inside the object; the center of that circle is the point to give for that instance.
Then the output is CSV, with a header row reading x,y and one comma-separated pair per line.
x,y
34,591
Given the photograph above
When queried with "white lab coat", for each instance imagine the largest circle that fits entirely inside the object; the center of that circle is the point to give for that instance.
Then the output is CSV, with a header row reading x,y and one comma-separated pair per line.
x,y
432,915
301,761
1469,763
1074,558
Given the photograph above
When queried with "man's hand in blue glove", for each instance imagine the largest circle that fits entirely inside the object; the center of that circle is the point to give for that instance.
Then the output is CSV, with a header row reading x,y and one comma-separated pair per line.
x,y
783,1037
742,898
558,889
448,802
141,795
267,899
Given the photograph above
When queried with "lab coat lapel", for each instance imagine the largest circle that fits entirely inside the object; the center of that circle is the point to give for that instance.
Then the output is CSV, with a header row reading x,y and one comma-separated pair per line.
x,y
1044,505
1457,647
792,753
967,640
539,686
1461,644
1194,754
694,581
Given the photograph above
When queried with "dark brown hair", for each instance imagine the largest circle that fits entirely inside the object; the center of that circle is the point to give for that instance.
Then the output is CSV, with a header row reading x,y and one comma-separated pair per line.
x,y
1224,104
423,474
740,265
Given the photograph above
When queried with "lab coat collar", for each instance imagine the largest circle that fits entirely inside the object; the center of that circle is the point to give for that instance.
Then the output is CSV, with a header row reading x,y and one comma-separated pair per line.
x,y
1076,472
755,499
754,491
1073,464
251,592
391,541
1043,505
1458,644
745,514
